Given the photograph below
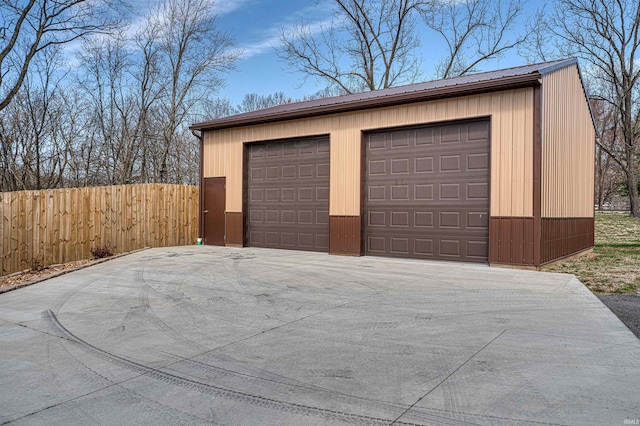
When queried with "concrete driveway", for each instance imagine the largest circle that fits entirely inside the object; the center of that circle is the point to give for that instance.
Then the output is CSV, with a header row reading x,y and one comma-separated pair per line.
x,y
254,337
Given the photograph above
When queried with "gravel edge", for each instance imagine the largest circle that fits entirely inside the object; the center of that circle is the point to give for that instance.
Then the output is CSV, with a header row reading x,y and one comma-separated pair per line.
x,y
626,307
66,271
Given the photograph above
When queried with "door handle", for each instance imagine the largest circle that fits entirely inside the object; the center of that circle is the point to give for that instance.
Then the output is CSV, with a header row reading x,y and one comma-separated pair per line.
x,y
206,211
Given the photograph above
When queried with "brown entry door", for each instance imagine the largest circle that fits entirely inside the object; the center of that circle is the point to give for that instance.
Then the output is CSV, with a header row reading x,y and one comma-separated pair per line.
x,y
213,211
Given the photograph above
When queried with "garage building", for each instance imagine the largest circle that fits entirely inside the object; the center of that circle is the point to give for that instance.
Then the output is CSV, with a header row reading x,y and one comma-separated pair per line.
x,y
495,167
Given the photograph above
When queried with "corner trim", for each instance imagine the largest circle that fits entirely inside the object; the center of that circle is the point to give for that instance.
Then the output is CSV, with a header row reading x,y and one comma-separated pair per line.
x,y
537,175
201,190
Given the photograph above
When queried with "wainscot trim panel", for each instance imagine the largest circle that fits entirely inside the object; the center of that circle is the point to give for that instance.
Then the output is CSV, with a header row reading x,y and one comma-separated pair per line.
x,y
234,229
511,240
564,236
345,235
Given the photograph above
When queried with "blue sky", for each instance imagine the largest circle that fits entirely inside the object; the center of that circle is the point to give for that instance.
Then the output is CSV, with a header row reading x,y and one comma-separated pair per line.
x,y
256,25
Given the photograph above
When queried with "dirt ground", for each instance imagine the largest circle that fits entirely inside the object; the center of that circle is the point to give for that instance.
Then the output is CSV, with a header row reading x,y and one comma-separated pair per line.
x,y
41,274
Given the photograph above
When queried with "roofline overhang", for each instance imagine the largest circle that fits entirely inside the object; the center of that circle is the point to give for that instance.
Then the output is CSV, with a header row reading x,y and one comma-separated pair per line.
x,y
486,86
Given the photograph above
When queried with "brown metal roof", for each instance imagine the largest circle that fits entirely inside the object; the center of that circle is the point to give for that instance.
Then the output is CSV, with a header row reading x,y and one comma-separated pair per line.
x,y
509,78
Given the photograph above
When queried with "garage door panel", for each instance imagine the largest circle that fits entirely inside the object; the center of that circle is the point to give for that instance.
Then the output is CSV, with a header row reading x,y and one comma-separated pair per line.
x,y
272,195
289,172
322,242
256,237
448,248
427,192
477,249
471,147
377,218
423,247
322,218
322,170
478,131
288,201
477,191
478,161
423,165
436,217
467,194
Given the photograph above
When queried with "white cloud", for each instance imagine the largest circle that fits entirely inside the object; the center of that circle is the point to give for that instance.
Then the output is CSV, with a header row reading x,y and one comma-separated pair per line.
x,y
271,39
259,47
223,7
138,18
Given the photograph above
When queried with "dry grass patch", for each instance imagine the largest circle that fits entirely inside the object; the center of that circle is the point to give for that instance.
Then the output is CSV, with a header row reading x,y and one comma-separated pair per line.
x,y
614,265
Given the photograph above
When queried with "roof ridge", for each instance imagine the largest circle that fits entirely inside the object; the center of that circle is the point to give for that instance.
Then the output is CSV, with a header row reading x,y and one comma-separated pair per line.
x,y
453,84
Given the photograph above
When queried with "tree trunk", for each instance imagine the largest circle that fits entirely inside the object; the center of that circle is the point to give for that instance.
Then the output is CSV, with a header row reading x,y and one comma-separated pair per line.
x,y
632,183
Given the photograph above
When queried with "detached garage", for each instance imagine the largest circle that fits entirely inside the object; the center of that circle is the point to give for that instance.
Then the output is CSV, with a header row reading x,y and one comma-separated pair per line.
x,y
495,167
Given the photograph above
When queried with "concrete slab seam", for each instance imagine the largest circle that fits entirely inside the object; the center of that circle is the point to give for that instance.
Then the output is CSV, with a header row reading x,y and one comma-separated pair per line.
x,y
449,375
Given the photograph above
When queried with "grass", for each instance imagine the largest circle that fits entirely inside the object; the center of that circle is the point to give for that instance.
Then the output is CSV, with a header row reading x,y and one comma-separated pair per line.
x,y
614,265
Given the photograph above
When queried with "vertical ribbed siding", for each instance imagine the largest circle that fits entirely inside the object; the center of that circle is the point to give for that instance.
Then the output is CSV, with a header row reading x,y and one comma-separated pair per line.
x,y
511,146
223,158
568,139
344,183
562,237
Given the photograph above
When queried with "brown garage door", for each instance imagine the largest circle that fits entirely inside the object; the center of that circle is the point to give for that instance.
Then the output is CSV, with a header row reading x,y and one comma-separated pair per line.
x,y
288,194
427,192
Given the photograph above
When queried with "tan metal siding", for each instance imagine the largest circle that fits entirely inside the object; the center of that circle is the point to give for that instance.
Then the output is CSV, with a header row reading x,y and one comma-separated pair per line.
x,y
511,146
568,150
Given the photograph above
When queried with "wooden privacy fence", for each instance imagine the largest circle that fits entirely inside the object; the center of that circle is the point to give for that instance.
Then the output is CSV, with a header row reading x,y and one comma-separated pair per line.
x,y
41,228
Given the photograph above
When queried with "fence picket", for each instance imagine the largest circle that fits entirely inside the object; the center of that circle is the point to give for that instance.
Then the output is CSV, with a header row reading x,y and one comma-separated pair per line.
x,y
63,225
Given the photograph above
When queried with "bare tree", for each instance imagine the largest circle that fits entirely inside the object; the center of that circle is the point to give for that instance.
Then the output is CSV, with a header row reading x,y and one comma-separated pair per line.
x,y
149,91
255,101
327,92
474,31
608,176
106,80
34,155
28,27
193,53
122,115
81,139
217,108
367,46
606,36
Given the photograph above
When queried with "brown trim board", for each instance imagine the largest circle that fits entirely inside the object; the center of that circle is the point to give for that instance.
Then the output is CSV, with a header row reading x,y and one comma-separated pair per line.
x,y
537,174
345,235
201,189
511,240
245,194
565,236
234,229
363,186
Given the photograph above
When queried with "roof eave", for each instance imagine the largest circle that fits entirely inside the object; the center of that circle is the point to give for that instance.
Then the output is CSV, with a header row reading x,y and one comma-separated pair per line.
x,y
504,83
558,66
